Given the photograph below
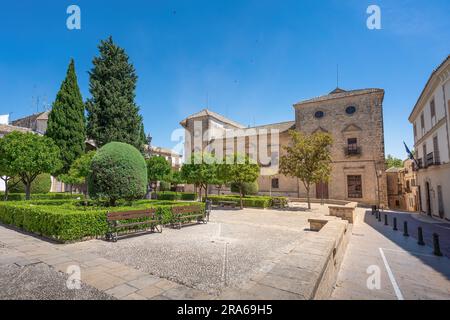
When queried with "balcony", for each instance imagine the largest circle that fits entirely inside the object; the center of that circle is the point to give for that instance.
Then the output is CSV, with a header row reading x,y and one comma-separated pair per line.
x,y
352,151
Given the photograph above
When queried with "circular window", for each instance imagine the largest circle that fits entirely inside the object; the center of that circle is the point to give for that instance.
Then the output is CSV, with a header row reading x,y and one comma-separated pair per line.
x,y
319,114
350,110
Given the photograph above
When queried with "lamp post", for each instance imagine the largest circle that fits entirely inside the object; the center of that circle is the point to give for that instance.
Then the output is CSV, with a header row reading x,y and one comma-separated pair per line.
x,y
149,154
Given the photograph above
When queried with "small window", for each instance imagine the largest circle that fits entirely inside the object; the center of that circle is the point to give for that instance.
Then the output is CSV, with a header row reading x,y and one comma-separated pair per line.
x,y
319,114
415,130
275,183
433,108
350,110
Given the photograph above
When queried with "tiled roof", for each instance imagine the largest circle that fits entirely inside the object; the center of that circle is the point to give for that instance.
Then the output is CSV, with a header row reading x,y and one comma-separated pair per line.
x,y
33,117
161,150
206,112
340,93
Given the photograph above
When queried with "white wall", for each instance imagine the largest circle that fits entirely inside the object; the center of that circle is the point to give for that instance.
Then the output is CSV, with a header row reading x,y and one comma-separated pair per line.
x,y
2,185
4,118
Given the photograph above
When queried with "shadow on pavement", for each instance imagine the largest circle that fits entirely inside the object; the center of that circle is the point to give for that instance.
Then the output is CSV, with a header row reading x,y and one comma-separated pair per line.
x,y
424,253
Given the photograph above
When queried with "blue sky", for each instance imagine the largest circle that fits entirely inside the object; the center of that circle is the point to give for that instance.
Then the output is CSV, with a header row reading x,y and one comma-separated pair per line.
x,y
249,60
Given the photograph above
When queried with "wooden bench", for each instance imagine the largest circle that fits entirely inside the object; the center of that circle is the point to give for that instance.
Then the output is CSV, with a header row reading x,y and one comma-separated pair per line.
x,y
188,214
227,204
143,220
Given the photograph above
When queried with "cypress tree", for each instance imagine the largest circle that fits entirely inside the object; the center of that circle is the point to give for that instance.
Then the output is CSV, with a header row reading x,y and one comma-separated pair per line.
x,y
112,112
66,121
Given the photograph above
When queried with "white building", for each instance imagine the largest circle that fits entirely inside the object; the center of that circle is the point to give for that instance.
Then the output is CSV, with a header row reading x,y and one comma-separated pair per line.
x,y
431,124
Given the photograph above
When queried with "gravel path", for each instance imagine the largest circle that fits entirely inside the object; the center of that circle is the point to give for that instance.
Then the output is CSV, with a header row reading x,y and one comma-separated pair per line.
x,y
224,253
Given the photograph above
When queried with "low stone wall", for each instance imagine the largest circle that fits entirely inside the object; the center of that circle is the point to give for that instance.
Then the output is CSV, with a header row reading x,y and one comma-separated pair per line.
x,y
338,234
326,201
307,271
346,212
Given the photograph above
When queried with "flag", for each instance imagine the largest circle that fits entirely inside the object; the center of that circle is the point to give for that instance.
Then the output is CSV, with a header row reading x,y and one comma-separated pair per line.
x,y
410,154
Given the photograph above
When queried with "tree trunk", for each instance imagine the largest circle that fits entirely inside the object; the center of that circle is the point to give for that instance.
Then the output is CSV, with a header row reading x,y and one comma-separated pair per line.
x,y
28,191
241,193
206,193
308,198
6,189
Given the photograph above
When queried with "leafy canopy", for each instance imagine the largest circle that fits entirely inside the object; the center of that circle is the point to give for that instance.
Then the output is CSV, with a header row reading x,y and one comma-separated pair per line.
x,y
392,162
308,158
158,169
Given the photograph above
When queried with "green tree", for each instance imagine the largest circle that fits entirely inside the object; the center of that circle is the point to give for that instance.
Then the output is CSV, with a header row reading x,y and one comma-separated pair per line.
x,y
248,188
200,171
112,112
79,171
66,121
158,169
239,170
392,162
118,171
42,184
30,155
176,178
7,172
308,159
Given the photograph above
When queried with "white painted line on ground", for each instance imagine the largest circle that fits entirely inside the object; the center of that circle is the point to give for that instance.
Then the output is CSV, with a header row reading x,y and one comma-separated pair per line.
x,y
398,293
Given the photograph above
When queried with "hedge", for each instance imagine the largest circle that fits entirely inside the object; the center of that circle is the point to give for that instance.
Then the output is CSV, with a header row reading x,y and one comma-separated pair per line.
x,y
249,201
64,221
40,196
176,196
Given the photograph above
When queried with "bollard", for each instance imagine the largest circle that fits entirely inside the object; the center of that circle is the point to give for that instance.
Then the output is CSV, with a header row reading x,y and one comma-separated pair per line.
x,y
374,209
437,248
405,229
386,220
420,237
395,224
379,216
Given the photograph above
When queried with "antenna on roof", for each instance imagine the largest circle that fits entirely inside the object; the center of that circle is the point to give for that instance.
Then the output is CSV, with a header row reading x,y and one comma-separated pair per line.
x,y
337,76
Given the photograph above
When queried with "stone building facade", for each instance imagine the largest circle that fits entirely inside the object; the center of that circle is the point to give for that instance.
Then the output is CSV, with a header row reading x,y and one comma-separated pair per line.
x,y
353,118
401,187
430,119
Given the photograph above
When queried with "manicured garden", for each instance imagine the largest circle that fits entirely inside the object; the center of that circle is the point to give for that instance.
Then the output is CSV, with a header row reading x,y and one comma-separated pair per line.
x,y
72,220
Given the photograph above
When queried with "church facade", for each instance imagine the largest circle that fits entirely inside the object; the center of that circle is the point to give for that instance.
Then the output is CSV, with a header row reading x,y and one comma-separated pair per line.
x,y
353,118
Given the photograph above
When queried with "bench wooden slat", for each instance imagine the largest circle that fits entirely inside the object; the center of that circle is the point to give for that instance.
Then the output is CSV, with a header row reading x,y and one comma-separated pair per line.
x,y
180,210
133,224
114,216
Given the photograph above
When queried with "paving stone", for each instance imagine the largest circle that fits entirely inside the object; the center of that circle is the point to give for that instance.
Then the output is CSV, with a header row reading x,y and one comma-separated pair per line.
x,y
185,293
134,296
262,292
121,291
303,288
103,281
166,284
150,292
144,281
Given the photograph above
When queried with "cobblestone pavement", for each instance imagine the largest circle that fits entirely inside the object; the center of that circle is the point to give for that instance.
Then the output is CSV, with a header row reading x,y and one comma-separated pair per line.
x,y
407,270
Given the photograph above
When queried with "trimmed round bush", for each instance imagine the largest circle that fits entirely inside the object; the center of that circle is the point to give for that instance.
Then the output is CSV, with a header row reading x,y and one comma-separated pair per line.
x,y
250,188
42,184
118,171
